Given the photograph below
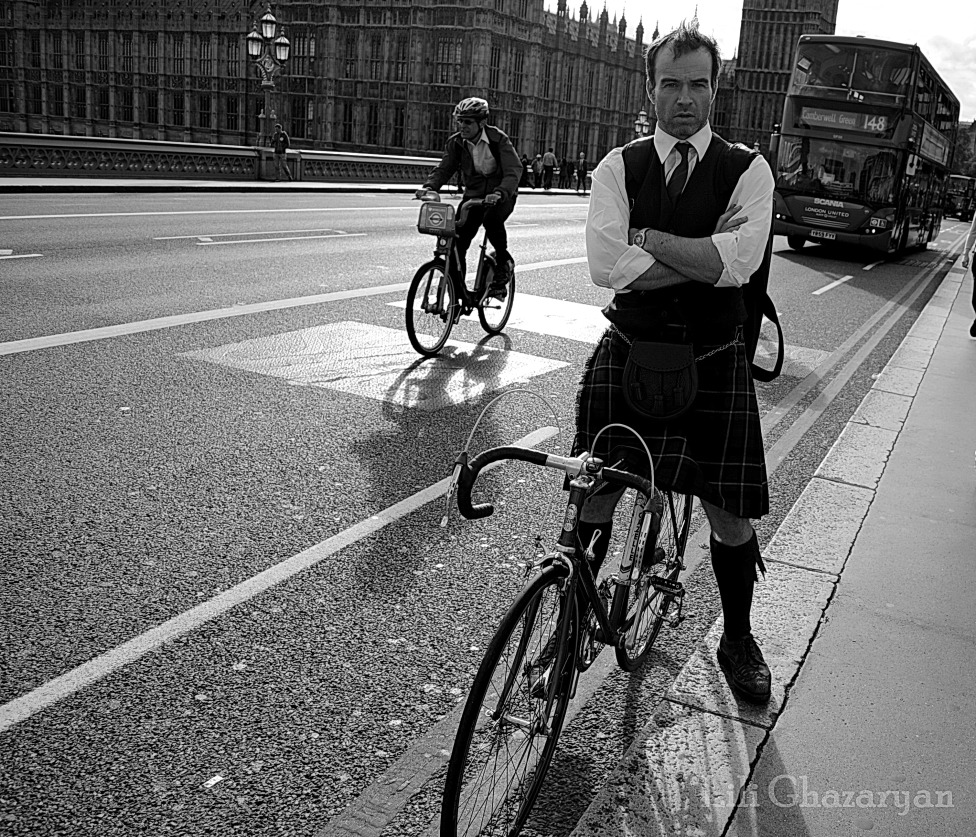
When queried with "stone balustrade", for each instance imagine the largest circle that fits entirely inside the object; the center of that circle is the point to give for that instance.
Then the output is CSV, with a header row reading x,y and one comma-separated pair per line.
x,y
48,155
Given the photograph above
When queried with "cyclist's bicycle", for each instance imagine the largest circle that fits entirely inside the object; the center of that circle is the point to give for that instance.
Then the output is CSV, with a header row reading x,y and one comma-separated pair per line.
x,y
555,629
438,296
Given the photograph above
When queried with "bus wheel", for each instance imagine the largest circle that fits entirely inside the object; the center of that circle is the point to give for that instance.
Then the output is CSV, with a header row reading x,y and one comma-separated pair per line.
x,y
796,241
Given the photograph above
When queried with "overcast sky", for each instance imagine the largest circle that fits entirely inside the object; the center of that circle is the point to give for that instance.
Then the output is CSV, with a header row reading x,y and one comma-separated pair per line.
x,y
944,29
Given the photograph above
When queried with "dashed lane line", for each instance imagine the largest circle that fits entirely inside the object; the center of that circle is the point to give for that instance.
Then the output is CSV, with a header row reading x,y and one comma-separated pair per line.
x,y
826,288
205,243
263,211
239,234
94,670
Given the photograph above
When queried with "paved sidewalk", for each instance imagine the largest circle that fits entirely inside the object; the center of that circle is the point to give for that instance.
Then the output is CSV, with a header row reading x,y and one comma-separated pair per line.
x,y
866,619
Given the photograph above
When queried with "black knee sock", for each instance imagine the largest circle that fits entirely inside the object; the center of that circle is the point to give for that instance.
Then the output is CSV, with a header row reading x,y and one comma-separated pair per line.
x,y
585,532
735,573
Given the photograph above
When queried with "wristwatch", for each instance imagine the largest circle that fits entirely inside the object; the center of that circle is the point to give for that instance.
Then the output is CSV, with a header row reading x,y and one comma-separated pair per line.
x,y
639,237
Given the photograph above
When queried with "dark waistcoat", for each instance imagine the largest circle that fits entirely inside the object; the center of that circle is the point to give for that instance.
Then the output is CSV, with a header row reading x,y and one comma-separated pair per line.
x,y
706,196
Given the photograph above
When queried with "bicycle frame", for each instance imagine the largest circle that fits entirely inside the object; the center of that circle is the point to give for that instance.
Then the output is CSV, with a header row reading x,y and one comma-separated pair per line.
x,y
579,583
446,249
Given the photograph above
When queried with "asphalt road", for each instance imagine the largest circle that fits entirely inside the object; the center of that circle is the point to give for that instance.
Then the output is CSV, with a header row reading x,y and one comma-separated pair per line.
x,y
228,605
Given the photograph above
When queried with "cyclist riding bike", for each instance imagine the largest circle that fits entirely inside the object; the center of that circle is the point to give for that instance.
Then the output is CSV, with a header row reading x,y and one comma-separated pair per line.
x,y
490,168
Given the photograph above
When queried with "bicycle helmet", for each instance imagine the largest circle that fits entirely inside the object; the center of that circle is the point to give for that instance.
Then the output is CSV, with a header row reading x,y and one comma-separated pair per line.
x,y
471,108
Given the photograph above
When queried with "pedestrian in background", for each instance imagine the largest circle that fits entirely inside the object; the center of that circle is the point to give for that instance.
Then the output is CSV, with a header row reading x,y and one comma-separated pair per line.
x,y
537,171
279,144
524,179
548,167
566,173
581,173
966,256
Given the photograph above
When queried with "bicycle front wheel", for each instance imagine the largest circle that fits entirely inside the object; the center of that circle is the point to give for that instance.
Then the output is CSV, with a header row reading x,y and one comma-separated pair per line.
x,y
493,312
431,308
509,728
646,605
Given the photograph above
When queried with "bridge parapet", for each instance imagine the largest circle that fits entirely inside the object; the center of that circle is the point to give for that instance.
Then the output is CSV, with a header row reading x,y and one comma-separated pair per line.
x,y
49,155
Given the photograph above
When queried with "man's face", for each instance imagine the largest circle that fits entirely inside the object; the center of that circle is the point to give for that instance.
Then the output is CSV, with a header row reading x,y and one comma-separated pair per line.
x,y
469,128
682,93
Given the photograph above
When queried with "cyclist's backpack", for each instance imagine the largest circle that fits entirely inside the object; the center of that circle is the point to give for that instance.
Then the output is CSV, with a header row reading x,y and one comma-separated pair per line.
x,y
637,160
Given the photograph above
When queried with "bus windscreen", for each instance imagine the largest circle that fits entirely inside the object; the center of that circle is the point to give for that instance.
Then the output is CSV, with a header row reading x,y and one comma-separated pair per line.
x,y
852,73
843,171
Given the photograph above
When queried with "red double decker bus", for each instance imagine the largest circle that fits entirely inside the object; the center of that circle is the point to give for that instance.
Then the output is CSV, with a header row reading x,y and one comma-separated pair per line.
x,y
865,145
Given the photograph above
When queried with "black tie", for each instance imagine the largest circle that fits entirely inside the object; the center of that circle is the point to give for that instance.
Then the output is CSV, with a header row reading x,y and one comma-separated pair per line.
x,y
680,174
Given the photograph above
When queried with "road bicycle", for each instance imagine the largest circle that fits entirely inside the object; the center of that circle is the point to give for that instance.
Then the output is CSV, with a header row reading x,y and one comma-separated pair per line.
x,y
438,296
554,630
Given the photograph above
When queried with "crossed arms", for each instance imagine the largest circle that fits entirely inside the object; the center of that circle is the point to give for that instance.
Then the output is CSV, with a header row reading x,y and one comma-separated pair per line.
x,y
727,258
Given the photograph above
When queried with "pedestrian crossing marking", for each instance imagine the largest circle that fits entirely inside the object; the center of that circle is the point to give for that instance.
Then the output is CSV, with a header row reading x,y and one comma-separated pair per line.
x,y
554,317
585,323
378,363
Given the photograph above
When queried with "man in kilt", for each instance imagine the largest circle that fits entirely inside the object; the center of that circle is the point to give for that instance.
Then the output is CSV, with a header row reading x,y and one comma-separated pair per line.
x,y
676,258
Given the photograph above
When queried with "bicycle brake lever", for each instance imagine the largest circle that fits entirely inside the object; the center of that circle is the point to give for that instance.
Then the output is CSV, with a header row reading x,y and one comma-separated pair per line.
x,y
452,487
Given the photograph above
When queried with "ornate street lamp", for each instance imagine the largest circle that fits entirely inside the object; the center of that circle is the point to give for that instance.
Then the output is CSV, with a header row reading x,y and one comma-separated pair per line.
x,y
642,125
268,48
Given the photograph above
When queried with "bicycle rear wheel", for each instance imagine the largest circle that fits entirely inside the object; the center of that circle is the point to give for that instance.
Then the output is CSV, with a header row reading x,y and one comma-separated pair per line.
x,y
506,738
494,313
431,308
646,605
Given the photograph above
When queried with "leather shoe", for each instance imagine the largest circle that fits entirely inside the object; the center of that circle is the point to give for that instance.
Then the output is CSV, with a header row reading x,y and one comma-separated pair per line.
x,y
745,668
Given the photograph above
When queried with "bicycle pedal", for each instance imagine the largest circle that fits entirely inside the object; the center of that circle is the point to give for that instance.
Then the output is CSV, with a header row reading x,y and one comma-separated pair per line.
x,y
667,587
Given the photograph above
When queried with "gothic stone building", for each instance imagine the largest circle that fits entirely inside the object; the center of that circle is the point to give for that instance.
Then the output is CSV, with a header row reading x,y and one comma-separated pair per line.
x,y
768,35
367,75
377,76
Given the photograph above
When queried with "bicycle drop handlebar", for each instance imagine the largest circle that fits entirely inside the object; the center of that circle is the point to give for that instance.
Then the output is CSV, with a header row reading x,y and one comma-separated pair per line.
x,y
466,473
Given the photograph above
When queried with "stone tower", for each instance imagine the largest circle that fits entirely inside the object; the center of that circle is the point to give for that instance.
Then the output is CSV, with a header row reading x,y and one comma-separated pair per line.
x,y
767,40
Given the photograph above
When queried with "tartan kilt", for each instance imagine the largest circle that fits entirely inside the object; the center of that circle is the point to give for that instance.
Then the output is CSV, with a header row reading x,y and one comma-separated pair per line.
x,y
714,451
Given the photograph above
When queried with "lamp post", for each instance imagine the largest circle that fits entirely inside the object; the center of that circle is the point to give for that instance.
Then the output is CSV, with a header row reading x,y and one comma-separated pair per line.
x,y
642,125
268,48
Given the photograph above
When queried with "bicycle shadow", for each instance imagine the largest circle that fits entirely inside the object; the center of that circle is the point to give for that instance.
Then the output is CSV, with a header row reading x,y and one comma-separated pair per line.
x,y
461,379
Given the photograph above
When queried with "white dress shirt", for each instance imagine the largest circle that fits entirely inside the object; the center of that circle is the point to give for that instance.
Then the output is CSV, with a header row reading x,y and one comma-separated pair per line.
x,y
484,161
615,264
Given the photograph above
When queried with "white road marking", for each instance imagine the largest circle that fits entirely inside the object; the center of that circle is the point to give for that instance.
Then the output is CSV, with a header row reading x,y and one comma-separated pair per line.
x,y
24,256
826,288
265,211
22,708
555,317
540,265
872,265
33,343
375,362
106,332
289,238
234,234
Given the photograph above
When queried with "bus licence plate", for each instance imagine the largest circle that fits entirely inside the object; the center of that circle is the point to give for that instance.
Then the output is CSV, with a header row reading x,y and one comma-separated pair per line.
x,y
828,236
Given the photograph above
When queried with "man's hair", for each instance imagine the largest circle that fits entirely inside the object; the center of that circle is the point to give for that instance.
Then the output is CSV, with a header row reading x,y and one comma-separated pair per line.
x,y
686,38
278,125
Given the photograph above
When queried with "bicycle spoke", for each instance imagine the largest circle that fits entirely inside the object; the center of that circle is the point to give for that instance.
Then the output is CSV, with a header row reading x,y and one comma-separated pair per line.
x,y
651,596
505,742
431,309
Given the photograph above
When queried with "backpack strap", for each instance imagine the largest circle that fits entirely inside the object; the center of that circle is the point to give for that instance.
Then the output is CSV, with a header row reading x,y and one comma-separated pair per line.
x,y
767,309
